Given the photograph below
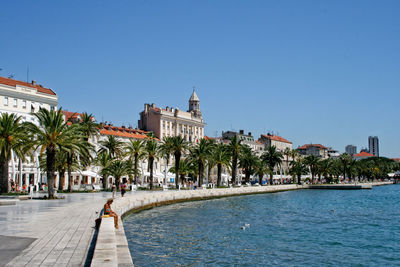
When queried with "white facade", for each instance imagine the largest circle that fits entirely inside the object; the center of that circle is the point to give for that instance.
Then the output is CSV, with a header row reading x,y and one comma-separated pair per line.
x,y
173,122
23,99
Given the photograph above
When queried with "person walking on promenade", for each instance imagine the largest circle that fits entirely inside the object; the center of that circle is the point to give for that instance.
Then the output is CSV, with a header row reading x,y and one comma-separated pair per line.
x,y
114,191
108,211
123,189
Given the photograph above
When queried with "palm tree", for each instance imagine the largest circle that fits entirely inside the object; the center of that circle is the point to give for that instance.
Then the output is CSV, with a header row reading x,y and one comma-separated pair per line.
x,y
117,169
312,162
325,168
260,170
151,151
345,159
298,168
247,161
185,168
89,126
166,150
13,137
234,149
179,147
61,167
104,161
53,135
272,158
81,148
200,154
113,146
135,151
287,152
221,158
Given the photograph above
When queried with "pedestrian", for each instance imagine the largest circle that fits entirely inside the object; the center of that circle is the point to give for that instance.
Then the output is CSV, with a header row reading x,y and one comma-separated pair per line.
x,y
123,189
114,191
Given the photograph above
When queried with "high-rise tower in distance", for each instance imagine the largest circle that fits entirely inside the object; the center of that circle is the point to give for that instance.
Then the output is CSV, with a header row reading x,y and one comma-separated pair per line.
x,y
373,145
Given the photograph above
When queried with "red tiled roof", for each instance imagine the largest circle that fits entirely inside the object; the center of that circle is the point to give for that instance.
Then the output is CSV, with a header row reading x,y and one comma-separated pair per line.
x,y
122,134
70,115
363,154
39,88
315,145
276,138
396,159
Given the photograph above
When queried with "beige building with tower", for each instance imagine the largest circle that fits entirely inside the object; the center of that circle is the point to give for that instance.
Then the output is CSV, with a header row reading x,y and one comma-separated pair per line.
x,y
173,121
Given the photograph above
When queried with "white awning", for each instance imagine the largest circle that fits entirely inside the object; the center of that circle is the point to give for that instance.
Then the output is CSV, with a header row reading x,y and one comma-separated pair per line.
x,y
89,173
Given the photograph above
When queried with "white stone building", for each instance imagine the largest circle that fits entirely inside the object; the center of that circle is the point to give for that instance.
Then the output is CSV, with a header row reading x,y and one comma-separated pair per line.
x,y
173,122
23,99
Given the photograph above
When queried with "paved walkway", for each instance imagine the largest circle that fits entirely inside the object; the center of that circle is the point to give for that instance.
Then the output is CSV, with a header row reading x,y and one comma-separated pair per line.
x,y
50,232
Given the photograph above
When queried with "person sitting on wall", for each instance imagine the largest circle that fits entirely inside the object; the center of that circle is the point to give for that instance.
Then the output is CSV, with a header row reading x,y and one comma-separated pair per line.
x,y
108,211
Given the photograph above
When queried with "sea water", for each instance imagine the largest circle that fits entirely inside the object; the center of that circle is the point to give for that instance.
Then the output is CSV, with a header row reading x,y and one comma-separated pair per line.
x,y
294,228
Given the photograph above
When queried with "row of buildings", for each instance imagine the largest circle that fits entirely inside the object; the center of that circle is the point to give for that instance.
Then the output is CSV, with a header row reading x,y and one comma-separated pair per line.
x,y
24,98
373,147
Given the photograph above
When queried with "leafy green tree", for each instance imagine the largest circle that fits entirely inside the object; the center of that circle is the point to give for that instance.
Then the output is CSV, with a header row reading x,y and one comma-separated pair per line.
x,y
272,158
179,147
200,153
135,150
53,135
13,137
151,151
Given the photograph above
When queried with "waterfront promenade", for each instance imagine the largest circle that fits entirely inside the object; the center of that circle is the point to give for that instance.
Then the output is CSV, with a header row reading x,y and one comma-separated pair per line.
x,y
50,232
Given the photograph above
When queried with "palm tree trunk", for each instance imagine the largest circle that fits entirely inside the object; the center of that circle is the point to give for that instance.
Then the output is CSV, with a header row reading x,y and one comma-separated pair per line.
x,y
151,172
69,171
299,179
271,176
4,187
105,181
219,170
234,169
177,160
50,163
200,173
136,169
61,180
260,177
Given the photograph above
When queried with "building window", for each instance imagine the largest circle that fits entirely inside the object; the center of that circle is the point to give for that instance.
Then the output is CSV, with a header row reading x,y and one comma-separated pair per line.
x,y
52,108
23,103
15,102
6,101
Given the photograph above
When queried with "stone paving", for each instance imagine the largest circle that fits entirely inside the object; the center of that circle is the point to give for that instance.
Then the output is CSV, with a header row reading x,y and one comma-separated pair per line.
x,y
62,230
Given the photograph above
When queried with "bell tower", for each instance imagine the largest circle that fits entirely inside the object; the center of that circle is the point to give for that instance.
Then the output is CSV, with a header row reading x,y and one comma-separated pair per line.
x,y
194,104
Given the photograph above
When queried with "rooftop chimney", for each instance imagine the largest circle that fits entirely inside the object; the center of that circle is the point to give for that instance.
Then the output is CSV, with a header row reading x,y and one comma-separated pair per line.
x,y
33,82
241,131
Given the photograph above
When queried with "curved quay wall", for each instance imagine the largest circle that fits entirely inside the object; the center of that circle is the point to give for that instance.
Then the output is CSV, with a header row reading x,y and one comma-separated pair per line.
x,y
112,246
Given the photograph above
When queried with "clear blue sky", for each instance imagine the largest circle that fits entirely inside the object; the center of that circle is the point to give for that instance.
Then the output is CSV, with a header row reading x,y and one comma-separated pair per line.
x,y
313,71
